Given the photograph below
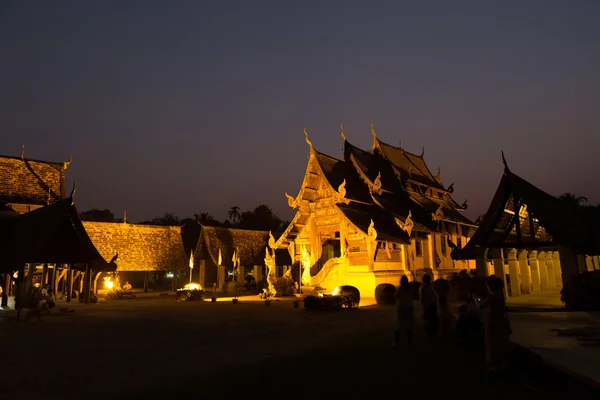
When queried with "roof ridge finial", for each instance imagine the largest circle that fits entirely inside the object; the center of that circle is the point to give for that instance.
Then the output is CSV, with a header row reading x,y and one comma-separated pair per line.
x,y
422,151
22,152
373,130
342,131
306,138
67,163
125,216
504,161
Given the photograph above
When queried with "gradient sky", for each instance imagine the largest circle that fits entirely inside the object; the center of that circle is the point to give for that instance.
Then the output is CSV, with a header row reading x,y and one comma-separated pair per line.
x,y
197,106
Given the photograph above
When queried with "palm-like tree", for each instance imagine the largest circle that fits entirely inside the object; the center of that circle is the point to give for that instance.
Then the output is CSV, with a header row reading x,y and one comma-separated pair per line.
x,y
234,215
573,200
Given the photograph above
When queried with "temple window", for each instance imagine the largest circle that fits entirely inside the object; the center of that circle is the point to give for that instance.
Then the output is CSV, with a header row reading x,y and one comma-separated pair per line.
x,y
418,248
459,242
336,234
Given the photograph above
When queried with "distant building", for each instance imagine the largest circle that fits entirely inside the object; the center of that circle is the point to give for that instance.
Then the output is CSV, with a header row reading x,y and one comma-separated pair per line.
x,y
248,247
146,253
371,217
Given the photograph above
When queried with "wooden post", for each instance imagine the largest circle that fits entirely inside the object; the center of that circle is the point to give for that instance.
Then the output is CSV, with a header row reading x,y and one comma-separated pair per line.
x,y
69,282
44,275
146,273
29,277
86,285
5,291
96,282
53,278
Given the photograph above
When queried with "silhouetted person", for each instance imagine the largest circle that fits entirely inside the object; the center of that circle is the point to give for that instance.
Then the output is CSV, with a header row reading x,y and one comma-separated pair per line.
x,y
429,302
405,315
497,328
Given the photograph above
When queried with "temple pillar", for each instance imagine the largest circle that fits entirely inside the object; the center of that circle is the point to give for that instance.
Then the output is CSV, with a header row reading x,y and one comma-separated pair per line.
x,y
44,280
550,268
146,273
202,272
557,269
589,263
69,282
543,270
534,267
513,272
432,259
86,285
221,277
581,264
499,270
258,272
525,272
568,264
481,264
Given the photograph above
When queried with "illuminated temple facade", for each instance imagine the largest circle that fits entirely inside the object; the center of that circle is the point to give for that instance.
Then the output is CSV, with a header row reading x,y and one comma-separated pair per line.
x,y
372,217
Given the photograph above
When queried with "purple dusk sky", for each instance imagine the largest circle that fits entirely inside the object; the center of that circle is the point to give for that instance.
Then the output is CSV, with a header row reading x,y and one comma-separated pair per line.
x,y
197,106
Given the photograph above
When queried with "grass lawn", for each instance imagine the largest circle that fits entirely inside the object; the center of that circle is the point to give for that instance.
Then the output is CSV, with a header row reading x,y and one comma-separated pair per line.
x,y
156,348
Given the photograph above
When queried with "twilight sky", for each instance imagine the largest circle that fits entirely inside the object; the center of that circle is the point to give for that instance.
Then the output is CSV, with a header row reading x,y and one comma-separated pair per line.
x,y
197,106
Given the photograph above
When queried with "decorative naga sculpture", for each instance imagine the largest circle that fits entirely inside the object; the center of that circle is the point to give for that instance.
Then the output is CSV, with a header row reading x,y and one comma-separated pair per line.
x,y
407,225
270,263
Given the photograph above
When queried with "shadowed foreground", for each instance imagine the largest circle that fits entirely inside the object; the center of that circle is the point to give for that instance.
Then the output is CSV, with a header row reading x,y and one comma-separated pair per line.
x,y
155,348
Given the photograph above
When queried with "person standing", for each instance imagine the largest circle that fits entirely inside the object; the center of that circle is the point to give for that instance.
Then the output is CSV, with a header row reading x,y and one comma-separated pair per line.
x,y
429,302
405,316
496,325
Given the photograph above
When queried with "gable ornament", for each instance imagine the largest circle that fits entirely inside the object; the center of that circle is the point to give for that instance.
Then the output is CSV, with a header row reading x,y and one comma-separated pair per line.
x,y
408,223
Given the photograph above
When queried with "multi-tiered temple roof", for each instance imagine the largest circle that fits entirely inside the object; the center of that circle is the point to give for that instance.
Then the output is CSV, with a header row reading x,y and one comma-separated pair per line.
x,y
388,185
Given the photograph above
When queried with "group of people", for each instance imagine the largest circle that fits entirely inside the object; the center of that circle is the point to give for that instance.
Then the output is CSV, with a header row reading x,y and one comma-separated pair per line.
x,y
439,320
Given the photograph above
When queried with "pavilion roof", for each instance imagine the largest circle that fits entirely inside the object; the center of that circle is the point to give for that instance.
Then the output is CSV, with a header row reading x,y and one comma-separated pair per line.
x,y
555,222
140,247
26,181
51,234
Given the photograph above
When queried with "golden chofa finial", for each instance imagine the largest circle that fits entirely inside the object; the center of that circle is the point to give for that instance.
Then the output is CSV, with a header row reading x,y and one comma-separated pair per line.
x,y
22,152
373,130
342,131
306,138
422,151
67,163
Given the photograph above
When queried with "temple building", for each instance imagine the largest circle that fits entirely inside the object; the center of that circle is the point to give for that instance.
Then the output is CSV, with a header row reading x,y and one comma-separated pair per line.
x,y
371,217
26,185
227,254
539,241
42,238
148,255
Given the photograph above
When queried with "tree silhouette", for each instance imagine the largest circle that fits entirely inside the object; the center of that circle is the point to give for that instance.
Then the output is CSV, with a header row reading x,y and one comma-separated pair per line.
x,y
207,219
234,215
572,199
262,218
97,215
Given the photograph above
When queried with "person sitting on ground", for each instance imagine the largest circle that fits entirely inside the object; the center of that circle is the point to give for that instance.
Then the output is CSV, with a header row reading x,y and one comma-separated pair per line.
x,y
127,287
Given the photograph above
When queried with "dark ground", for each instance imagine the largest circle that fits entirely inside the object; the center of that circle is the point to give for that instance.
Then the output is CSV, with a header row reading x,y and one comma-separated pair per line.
x,y
156,348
